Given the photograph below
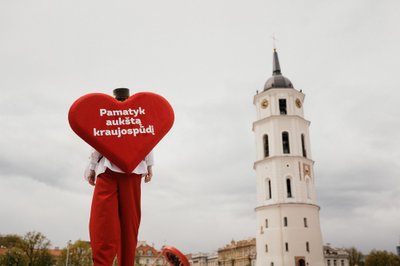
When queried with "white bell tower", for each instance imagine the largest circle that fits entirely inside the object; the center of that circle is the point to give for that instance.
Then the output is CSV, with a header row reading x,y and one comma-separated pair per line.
x,y
287,213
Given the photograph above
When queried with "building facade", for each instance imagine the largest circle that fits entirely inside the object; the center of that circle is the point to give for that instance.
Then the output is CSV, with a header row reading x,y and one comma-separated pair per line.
x,y
147,255
238,253
336,256
203,259
288,226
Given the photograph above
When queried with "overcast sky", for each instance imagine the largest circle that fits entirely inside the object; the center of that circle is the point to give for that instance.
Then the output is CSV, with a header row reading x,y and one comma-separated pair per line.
x,y
208,58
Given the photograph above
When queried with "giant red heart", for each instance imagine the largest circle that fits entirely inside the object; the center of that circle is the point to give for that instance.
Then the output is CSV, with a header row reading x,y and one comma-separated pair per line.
x,y
124,132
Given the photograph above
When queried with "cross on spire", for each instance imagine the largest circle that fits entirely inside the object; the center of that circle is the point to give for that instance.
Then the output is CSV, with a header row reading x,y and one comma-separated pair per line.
x,y
274,40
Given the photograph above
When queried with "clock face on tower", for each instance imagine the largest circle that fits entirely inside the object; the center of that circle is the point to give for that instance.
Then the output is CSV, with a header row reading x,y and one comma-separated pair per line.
x,y
264,103
298,103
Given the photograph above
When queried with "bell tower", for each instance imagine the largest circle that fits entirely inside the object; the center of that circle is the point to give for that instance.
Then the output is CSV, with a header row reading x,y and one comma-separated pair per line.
x,y
288,227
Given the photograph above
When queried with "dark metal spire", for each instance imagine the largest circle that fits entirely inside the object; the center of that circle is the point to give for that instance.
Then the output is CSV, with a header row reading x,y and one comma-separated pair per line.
x,y
277,80
276,68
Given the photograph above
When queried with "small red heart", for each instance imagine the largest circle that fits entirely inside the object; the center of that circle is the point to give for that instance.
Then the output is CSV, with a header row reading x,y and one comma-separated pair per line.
x,y
124,132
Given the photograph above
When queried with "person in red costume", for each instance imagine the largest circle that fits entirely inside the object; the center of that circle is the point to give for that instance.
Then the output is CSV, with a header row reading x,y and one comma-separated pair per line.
x,y
116,209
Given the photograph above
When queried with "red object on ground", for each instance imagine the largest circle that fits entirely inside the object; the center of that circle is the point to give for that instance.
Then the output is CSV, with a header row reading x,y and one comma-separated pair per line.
x,y
115,218
174,257
124,132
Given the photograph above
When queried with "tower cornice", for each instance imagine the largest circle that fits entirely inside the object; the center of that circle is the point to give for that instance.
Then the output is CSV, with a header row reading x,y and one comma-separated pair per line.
x,y
279,117
278,205
277,90
270,158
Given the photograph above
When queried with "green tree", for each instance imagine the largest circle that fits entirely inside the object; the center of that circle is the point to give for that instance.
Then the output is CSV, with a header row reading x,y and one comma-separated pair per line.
x,y
355,257
35,246
382,258
10,241
79,254
14,257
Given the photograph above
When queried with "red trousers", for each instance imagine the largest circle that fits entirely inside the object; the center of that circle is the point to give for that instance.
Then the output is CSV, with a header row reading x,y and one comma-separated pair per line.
x,y
115,218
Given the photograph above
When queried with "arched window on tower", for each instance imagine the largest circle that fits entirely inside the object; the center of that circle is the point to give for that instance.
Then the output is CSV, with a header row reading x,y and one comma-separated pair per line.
x,y
285,142
266,145
307,247
268,190
282,107
303,146
289,187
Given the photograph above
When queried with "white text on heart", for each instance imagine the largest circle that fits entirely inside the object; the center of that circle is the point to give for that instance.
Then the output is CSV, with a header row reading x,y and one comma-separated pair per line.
x,y
130,111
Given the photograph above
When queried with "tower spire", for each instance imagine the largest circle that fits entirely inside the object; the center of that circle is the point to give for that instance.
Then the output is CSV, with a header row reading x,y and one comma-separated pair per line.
x,y
277,80
276,68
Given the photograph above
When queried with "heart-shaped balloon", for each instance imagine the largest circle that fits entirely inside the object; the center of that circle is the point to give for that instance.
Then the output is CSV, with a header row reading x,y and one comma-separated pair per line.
x,y
124,132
